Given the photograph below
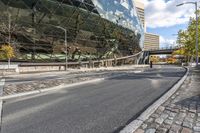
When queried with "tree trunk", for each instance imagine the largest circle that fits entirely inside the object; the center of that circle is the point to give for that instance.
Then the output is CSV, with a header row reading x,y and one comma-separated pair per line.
x,y
8,63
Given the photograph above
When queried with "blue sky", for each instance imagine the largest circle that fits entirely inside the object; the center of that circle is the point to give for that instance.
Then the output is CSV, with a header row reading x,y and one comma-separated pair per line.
x,y
164,18
167,33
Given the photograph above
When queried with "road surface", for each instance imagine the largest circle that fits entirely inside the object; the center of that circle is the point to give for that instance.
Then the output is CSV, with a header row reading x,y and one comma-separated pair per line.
x,y
103,107
32,77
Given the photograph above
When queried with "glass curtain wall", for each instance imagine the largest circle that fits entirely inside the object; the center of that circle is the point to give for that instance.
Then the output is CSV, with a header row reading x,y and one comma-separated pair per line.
x,y
96,29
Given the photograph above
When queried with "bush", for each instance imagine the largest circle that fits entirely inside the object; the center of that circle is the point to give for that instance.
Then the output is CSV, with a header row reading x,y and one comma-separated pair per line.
x,y
6,52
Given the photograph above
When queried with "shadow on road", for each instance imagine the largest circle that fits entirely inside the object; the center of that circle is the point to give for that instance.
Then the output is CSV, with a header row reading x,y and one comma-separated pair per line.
x,y
152,75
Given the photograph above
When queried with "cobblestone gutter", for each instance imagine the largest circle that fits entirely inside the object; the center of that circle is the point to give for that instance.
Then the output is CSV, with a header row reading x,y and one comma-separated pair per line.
x,y
37,85
180,113
10,89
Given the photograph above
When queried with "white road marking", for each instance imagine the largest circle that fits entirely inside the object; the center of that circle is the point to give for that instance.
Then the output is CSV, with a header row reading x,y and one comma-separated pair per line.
x,y
137,71
2,82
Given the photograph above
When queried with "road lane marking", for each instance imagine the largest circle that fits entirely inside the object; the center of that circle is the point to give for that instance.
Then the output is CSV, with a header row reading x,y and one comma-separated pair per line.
x,y
138,71
2,83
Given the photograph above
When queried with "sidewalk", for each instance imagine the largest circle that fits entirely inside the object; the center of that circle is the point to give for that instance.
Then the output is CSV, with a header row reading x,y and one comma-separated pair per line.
x,y
180,113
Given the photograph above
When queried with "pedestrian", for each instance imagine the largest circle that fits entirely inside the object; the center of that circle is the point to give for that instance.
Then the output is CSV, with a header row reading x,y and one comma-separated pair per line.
x,y
151,64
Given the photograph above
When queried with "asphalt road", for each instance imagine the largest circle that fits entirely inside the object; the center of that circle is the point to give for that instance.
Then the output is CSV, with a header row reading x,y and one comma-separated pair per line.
x,y
103,107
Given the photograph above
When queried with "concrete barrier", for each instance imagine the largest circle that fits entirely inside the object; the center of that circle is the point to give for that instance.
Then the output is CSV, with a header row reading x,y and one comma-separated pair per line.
x,y
40,68
45,67
5,69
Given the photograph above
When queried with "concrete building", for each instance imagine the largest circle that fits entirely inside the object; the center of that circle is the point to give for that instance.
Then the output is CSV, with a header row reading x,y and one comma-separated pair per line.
x,y
151,41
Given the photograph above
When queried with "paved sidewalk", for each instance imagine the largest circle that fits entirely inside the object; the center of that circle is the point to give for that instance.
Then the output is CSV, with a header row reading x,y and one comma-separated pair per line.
x,y
180,113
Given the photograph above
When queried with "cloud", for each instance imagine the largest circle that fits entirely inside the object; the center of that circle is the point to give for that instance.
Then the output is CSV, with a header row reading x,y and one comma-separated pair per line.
x,y
162,13
167,43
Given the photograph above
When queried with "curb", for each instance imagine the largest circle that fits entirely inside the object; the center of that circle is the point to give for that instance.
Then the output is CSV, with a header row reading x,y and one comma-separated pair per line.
x,y
62,86
87,70
2,82
134,125
1,110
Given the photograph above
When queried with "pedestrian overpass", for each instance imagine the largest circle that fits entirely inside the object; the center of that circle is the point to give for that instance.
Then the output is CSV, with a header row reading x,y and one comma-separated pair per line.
x,y
163,51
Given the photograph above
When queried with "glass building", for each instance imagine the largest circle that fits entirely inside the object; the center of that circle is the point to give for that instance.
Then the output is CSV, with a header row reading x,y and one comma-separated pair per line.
x,y
96,29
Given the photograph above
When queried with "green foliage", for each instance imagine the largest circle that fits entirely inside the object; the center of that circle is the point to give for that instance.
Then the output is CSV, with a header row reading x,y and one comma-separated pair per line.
x,y
187,38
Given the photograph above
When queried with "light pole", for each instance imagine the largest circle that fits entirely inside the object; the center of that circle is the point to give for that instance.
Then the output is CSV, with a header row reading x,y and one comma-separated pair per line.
x,y
196,8
66,59
9,36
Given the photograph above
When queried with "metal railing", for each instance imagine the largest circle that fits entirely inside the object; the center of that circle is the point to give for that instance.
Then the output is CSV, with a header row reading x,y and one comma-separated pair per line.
x,y
82,63
164,48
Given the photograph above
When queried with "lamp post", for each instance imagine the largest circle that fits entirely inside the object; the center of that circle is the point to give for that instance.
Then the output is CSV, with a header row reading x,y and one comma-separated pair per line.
x,y
66,59
9,35
196,8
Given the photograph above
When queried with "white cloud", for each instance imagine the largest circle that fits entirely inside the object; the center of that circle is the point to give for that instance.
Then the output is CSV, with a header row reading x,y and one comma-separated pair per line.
x,y
162,13
167,43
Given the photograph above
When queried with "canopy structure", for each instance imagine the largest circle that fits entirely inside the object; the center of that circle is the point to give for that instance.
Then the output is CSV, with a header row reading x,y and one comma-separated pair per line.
x,y
96,29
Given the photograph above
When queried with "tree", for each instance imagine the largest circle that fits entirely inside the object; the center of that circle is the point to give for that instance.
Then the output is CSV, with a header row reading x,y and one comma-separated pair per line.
x,y
154,59
7,53
186,38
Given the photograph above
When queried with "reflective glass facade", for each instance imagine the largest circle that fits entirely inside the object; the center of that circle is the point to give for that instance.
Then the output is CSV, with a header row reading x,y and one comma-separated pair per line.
x,y
121,12
96,29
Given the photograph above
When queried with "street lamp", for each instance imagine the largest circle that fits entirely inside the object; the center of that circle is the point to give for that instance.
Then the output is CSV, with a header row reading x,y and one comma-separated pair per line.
x,y
66,59
195,3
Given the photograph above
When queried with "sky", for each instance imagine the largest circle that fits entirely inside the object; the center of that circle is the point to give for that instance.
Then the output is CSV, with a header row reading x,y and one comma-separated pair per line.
x,y
165,19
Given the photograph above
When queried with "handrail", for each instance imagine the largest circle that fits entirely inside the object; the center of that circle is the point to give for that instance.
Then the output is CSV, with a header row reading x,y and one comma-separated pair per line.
x,y
77,63
173,48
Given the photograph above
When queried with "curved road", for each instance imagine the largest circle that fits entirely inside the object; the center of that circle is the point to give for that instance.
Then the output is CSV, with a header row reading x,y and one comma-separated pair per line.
x,y
103,107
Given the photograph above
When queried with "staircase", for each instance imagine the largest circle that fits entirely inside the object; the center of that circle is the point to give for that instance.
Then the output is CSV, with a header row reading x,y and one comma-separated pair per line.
x,y
144,58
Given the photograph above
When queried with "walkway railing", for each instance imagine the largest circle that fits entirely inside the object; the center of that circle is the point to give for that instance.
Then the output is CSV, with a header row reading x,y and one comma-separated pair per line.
x,y
97,63
164,48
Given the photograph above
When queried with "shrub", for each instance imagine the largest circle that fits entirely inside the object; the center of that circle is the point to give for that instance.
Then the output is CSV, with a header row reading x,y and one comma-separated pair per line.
x,y
6,52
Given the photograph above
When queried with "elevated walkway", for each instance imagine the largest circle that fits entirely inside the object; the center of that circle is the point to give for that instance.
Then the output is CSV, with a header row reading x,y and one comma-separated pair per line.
x,y
162,51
